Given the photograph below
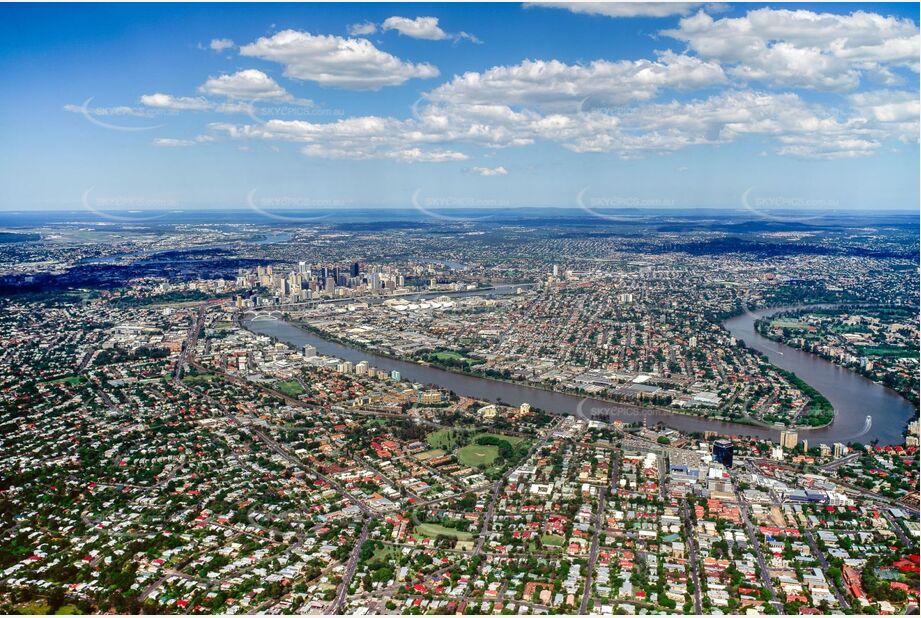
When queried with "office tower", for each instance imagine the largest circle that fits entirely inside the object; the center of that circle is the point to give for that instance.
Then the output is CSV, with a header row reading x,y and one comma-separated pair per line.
x,y
722,452
556,270
395,375
788,439
356,269
309,351
330,286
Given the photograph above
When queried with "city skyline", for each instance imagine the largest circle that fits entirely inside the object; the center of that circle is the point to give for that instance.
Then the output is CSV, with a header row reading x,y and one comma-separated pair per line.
x,y
350,106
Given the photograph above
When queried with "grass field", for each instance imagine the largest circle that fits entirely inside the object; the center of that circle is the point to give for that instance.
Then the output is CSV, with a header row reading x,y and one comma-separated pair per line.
x,y
887,351
552,539
291,388
513,440
72,380
42,607
426,455
476,454
382,554
445,439
433,530
787,324
449,355
201,378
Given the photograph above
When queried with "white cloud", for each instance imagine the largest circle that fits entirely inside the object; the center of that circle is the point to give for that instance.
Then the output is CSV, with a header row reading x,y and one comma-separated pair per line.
x,y
366,137
489,171
249,84
220,45
362,29
415,155
168,101
169,142
336,61
624,9
804,49
553,84
888,105
418,28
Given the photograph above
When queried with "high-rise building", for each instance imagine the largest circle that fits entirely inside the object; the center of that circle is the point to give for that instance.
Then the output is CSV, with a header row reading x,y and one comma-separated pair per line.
x,y
309,351
840,449
356,269
395,375
722,452
788,439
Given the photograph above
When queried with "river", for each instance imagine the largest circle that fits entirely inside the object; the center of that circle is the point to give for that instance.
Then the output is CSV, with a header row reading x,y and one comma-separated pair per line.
x,y
853,396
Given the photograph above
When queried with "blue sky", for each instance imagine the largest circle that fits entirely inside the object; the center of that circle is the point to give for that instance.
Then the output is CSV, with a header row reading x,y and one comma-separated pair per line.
x,y
800,105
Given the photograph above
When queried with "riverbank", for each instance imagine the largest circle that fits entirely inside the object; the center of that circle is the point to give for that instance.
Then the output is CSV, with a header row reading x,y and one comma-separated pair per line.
x,y
856,398
902,388
862,408
748,422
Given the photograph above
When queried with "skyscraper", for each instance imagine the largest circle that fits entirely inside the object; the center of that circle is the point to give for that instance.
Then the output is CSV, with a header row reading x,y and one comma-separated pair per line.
x,y
722,452
356,269
788,439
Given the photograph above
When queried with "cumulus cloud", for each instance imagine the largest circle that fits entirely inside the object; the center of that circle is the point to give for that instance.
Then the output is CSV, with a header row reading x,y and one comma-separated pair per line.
x,y
796,127
416,155
169,142
329,60
418,28
622,107
362,29
625,9
804,49
888,105
365,137
249,84
554,84
168,101
220,45
489,171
